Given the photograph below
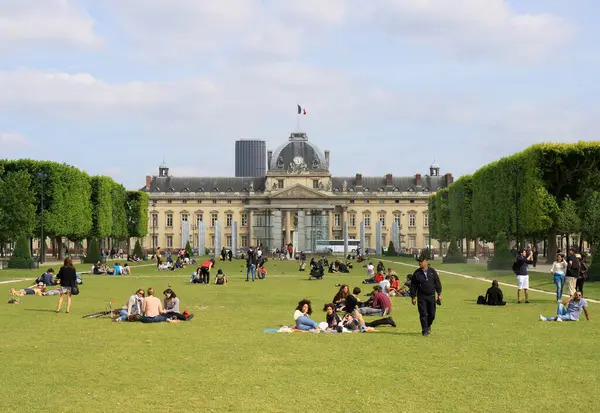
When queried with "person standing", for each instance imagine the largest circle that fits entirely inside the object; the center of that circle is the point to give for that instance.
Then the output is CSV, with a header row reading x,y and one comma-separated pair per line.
x,y
559,268
572,272
67,275
524,258
424,284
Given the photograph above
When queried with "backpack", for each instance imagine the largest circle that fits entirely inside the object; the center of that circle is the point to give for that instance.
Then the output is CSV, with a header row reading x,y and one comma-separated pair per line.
x,y
516,267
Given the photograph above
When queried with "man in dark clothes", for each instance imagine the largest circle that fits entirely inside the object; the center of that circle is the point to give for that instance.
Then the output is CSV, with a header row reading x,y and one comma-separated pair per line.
x,y
494,295
424,283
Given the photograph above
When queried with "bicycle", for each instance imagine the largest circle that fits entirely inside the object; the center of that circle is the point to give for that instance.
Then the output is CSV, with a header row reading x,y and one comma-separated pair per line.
x,y
109,311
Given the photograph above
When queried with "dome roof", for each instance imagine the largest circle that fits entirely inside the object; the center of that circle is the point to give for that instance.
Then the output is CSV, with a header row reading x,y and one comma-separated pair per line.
x,y
298,155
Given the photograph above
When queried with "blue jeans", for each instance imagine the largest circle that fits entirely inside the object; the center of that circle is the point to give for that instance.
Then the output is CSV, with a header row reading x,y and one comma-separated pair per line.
x,y
304,323
157,319
561,312
250,269
559,280
122,315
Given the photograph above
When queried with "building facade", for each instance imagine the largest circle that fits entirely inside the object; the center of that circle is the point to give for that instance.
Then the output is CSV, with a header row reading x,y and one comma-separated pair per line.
x,y
250,158
297,201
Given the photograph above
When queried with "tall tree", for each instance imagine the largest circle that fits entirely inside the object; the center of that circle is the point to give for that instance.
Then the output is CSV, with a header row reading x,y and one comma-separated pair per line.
x,y
17,206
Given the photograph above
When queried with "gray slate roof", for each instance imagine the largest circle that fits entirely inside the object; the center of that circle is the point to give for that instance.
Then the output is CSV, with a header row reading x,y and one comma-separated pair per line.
x,y
243,184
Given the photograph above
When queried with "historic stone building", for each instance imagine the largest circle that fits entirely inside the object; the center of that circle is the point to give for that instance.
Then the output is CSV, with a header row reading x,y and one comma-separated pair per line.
x,y
298,202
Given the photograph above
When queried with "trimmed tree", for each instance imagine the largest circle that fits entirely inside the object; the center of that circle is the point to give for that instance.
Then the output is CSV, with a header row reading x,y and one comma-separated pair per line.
x,y
391,251
137,249
188,249
21,257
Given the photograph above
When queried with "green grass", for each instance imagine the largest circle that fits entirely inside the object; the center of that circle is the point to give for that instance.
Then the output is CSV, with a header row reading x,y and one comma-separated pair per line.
x,y
477,359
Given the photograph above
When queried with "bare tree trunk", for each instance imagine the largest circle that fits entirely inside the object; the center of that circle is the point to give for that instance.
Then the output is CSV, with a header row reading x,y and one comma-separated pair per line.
x,y
551,246
59,249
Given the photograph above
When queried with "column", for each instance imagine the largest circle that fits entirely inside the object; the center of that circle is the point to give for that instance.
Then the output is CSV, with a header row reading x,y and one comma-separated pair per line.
x,y
250,231
288,228
330,225
276,230
300,230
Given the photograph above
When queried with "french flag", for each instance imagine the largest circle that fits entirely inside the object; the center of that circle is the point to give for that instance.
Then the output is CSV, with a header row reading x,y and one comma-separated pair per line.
x,y
301,110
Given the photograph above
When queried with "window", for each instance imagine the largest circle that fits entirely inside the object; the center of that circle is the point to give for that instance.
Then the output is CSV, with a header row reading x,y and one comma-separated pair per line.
x,y
367,220
212,241
337,218
315,184
213,219
382,218
425,220
169,241
198,218
412,242
244,241
214,201
154,220
169,220
352,220
412,220
184,217
228,241
184,201
229,220
244,220
280,183
397,218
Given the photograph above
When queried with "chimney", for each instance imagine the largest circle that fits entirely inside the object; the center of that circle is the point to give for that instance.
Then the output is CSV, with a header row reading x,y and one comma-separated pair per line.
x,y
358,180
269,157
388,180
148,181
418,179
449,179
327,158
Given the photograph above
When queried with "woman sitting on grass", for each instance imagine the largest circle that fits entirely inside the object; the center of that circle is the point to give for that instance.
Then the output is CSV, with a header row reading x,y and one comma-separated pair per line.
x,y
220,278
171,307
302,316
340,298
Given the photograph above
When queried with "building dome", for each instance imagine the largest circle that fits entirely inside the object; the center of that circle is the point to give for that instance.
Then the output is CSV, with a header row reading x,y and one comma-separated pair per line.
x,y
298,155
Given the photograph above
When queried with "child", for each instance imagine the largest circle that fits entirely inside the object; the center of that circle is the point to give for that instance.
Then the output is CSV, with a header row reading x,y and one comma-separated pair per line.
x,y
333,320
220,278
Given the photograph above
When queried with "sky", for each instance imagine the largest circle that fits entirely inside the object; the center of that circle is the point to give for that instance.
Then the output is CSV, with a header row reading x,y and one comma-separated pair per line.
x,y
115,87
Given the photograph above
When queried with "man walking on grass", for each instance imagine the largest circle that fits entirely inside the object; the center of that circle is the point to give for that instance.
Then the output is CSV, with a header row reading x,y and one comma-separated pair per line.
x,y
424,284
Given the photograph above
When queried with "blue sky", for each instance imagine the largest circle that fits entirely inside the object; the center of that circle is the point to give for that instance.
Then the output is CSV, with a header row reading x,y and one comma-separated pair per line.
x,y
115,87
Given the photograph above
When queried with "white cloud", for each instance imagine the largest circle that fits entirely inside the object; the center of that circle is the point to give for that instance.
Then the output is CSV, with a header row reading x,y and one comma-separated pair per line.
x,y
55,21
488,29
13,142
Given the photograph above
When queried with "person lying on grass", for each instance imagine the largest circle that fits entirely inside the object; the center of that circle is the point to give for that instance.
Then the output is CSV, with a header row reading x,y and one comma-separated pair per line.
x,y
570,310
38,289
171,303
220,278
302,316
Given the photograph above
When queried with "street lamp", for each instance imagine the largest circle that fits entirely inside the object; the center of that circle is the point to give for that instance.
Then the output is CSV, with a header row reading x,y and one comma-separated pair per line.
x,y
516,170
153,228
42,258
462,234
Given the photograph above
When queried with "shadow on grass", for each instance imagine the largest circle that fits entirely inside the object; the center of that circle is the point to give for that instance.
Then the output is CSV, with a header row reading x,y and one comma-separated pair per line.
x,y
41,310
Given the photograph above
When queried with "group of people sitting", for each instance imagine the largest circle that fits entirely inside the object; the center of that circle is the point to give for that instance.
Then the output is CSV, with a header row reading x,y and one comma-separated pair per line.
x,y
150,309
117,269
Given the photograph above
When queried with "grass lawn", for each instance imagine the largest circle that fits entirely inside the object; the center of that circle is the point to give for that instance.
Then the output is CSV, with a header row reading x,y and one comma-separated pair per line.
x,y
478,359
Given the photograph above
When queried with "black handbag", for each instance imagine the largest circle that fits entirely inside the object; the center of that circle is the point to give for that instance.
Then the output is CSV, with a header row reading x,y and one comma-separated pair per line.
x,y
75,290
